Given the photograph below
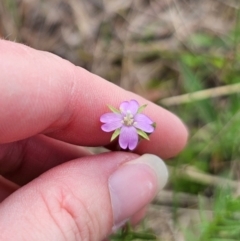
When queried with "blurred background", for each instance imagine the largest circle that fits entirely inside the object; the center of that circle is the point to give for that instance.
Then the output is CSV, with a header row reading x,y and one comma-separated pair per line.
x,y
181,54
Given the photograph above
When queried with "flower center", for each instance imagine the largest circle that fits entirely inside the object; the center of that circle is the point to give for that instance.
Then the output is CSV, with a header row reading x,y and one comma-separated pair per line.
x,y
128,119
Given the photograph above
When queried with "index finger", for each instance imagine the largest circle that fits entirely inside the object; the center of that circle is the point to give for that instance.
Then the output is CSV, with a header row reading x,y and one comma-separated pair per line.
x,y
42,93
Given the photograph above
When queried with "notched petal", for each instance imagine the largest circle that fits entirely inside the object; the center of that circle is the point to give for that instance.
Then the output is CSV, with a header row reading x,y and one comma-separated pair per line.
x,y
133,138
143,118
123,138
131,106
110,117
144,127
112,126
128,138
124,106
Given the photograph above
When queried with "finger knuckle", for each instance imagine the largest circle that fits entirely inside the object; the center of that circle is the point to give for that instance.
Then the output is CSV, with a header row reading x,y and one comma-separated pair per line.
x,y
71,215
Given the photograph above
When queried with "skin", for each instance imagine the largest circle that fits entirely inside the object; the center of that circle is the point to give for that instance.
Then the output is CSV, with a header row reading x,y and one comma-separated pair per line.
x,y
49,108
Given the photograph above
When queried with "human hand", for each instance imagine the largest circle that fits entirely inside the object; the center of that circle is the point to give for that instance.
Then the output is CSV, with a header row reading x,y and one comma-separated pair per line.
x,y
49,108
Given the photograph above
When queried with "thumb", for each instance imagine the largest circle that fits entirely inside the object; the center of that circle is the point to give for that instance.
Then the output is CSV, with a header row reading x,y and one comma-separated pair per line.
x,y
84,199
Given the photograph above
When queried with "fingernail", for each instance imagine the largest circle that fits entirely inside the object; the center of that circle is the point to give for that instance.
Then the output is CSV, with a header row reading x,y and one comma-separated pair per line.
x,y
134,185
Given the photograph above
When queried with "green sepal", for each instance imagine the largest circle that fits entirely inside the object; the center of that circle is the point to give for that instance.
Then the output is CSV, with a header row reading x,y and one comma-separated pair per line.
x,y
141,108
115,134
154,125
143,134
113,109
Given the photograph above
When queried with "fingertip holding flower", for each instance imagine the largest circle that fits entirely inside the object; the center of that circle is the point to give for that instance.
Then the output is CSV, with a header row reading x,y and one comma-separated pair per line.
x,y
128,123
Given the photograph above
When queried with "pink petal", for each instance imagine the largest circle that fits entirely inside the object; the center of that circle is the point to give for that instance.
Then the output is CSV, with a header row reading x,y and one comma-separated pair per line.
x,y
110,117
128,137
144,127
143,123
143,118
131,106
111,126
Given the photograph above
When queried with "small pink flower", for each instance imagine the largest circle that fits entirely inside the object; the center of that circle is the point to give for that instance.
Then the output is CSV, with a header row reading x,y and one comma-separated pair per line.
x,y
127,123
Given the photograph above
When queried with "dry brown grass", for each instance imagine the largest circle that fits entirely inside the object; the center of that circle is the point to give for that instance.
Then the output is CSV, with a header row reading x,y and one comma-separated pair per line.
x,y
124,41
